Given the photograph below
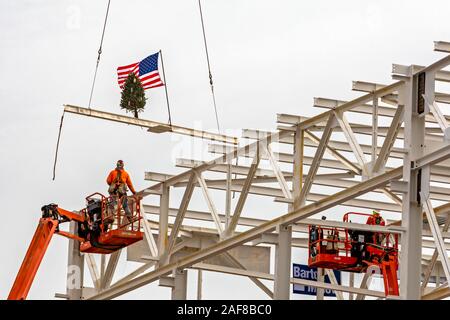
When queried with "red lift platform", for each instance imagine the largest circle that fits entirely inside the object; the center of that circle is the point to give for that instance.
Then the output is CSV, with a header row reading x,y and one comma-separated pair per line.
x,y
115,229
103,227
354,250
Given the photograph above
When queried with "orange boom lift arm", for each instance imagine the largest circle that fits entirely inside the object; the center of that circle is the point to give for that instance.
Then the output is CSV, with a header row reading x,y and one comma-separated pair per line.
x,y
48,225
103,228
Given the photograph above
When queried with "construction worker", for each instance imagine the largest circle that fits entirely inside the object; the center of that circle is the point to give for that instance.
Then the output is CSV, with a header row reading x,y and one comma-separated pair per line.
x,y
376,219
118,180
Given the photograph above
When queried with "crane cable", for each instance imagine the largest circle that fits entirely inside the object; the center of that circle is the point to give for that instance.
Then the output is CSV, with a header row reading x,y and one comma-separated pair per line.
x,y
99,54
90,97
210,77
57,146
209,66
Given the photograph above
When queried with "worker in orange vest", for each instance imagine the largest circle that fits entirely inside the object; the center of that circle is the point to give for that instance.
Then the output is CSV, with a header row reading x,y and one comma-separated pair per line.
x,y
376,219
118,180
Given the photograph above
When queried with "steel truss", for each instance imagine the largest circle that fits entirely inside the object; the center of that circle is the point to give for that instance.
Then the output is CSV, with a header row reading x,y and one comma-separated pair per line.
x,y
402,165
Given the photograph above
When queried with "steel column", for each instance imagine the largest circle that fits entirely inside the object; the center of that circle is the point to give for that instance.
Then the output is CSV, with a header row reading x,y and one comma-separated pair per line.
x,y
283,263
179,290
75,267
411,240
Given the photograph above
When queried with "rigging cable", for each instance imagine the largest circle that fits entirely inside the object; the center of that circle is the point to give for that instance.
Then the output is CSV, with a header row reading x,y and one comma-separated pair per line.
x,y
92,91
165,87
99,54
210,77
209,66
57,145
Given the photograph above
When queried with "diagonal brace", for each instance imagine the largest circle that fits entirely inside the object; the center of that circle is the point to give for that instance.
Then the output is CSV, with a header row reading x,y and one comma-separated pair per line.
x,y
437,235
351,139
181,212
244,193
209,201
389,139
316,160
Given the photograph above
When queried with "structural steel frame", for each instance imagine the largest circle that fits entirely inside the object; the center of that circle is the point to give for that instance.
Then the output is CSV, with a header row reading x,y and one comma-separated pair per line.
x,y
405,164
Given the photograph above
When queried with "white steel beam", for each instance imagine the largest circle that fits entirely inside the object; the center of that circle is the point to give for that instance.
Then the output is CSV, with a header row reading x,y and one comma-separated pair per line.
x,y
278,174
374,130
351,104
333,280
111,268
221,160
75,267
150,238
261,175
93,270
209,202
283,263
362,129
364,109
439,173
391,195
148,124
228,200
297,170
412,218
441,75
320,294
330,180
199,284
301,226
365,283
442,46
434,108
351,283
369,86
431,158
440,293
279,197
342,146
179,290
163,220
222,168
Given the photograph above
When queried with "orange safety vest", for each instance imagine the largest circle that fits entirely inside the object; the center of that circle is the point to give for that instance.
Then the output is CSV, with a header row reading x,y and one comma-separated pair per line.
x,y
124,178
372,220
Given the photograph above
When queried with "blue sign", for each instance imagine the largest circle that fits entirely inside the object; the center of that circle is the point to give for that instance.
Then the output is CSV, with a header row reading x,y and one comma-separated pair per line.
x,y
301,271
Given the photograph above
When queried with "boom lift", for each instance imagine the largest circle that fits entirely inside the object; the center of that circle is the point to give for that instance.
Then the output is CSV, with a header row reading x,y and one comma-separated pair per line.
x,y
354,251
103,228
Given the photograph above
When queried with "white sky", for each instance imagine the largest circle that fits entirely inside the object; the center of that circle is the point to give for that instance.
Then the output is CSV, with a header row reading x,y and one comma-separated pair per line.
x,y
267,57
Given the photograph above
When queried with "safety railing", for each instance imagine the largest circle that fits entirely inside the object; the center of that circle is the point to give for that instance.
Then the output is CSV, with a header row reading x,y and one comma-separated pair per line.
x,y
329,241
345,242
113,212
126,213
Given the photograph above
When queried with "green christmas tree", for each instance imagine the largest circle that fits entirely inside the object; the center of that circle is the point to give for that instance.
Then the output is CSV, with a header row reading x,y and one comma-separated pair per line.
x,y
133,96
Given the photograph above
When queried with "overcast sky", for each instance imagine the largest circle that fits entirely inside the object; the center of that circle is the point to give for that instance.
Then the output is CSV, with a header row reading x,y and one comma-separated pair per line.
x,y
267,57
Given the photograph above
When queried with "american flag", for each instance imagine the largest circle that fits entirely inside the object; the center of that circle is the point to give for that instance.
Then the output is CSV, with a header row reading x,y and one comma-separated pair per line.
x,y
146,70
